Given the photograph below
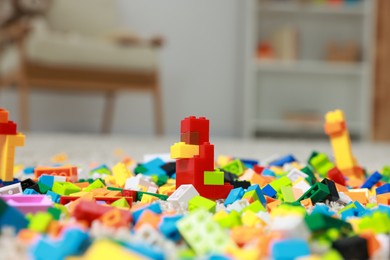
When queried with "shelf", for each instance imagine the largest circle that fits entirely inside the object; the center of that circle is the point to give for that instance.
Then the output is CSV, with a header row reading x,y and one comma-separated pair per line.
x,y
299,127
283,7
317,67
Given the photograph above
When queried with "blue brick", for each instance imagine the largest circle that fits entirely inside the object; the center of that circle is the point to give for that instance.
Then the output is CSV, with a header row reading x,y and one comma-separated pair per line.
x,y
283,160
234,194
259,193
10,216
54,196
269,191
268,172
289,249
48,180
154,167
383,189
372,180
169,229
29,191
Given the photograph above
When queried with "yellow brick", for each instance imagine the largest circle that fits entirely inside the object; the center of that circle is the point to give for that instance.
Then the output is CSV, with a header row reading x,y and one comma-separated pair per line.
x,y
8,144
183,150
121,174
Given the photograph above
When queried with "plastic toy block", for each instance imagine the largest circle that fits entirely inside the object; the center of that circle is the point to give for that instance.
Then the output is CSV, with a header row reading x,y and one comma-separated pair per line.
x,y
97,184
269,191
73,242
236,167
8,128
199,125
70,172
268,172
241,184
190,138
215,192
202,233
289,249
106,249
249,162
334,195
288,194
251,196
383,189
11,189
234,194
317,193
258,168
320,222
153,167
8,143
321,164
372,243
65,188
383,198
169,168
101,170
378,222
296,174
227,220
279,183
28,203
115,219
352,247
155,207
30,192
40,222
55,213
358,196
121,203
120,174
336,176
49,180
183,194
311,179
215,177
335,127
146,198
306,203
169,228
283,160
201,202
28,183
255,207
3,115
140,195
148,218
10,216
372,180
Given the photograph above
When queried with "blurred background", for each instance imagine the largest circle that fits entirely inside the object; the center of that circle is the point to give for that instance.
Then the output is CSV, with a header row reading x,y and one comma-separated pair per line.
x,y
253,67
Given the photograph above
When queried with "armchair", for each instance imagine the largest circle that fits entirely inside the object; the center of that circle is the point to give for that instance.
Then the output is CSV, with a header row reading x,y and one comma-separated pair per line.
x,y
78,46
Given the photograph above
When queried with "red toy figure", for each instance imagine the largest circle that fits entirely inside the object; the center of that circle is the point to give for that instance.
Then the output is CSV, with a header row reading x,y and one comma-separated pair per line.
x,y
195,160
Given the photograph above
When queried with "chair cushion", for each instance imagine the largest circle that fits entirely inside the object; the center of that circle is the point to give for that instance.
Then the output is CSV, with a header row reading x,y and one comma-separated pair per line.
x,y
70,49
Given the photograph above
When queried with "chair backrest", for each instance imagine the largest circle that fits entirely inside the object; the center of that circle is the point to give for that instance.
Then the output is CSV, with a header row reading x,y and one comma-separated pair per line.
x,y
89,17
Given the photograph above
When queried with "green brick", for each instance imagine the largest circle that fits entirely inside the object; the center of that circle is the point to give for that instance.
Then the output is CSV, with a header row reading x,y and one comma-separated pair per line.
x,y
114,189
317,193
65,188
255,207
288,194
43,188
233,219
319,222
140,169
202,202
321,164
279,183
162,179
120,203
311,179
214,177
160,196
55,213
236,167
95,185
40,222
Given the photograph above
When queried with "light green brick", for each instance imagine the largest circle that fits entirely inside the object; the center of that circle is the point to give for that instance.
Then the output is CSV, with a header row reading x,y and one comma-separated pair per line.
x,y
202,202
214,178
236,167
255,207
287,193
121,203
40,222
251,196
95,185
279,183
202,233
65,188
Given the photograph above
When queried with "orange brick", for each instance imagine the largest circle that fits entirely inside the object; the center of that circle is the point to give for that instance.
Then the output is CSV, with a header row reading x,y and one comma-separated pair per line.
x,y
372,242
148,217
307,203
357,196
243,235
341,188
272,205
383,198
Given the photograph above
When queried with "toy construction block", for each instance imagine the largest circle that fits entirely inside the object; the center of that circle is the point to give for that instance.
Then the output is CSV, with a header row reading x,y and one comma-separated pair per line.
x,y
195,160
9,139
336,128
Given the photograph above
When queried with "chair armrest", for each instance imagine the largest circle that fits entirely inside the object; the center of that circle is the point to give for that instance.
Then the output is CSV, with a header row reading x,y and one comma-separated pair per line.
x,y
128,38
14,32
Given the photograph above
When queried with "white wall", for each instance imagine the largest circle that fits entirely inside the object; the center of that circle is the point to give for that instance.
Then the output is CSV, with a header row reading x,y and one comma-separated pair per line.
x,y
199,73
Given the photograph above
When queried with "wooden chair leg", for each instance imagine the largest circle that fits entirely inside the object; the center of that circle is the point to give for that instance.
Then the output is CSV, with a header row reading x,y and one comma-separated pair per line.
x,y
108,113
158,111
24,114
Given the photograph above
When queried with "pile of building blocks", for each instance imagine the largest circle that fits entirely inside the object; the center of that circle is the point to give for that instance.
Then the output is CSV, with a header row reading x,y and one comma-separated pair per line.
x,y
231,208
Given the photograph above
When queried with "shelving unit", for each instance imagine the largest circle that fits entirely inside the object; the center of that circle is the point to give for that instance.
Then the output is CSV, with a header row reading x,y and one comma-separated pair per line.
x,y
276,91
